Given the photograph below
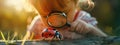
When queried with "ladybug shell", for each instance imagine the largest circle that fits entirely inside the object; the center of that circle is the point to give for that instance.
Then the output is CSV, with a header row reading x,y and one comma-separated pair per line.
x,y
49,32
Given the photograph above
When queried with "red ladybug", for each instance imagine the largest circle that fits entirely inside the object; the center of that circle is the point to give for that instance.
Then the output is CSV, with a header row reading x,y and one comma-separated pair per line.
x,y
51,32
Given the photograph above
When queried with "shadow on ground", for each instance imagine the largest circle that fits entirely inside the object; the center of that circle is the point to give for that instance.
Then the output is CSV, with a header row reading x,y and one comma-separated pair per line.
x,y
113,40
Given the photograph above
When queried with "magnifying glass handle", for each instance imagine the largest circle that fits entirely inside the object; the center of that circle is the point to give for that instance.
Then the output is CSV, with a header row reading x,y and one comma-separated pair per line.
x,y
68,24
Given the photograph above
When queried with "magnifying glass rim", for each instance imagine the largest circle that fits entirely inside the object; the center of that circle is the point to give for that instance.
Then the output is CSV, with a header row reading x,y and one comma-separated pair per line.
x,y
59,13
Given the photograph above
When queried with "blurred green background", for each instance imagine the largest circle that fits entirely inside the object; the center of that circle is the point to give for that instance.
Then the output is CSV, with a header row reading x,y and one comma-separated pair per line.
x,y
108,15
15,15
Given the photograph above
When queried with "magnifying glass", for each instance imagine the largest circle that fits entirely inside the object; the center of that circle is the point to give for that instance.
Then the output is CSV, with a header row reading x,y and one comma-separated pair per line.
x,y
57,19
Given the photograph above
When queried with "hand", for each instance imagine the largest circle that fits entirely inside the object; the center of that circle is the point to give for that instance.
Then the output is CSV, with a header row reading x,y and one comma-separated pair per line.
x,y
80,26
83,28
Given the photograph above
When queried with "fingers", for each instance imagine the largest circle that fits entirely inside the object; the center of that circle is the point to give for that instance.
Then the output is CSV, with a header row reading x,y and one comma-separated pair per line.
x,y
74,25
80,27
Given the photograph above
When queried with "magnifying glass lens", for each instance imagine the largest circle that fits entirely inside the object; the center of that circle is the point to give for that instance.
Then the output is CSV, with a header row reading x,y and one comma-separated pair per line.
x,y
57,20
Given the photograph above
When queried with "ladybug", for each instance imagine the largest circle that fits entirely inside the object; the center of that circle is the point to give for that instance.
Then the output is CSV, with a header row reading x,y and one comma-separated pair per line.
x,y
51,33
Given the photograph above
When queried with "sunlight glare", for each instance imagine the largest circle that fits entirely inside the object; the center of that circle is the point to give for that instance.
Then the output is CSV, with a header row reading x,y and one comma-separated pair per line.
x,y
19,4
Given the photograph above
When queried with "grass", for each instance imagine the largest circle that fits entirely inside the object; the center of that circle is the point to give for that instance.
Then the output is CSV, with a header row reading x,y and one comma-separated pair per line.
x,y
8,39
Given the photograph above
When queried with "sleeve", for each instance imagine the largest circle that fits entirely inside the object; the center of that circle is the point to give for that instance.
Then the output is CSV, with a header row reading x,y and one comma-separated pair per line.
x,y
32,25
87,18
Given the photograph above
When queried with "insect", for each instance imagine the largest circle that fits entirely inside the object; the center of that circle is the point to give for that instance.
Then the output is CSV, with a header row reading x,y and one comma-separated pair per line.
x,y
51,33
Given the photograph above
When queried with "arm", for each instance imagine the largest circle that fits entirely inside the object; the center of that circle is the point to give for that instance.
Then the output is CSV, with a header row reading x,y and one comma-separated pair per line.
x,y
86,24
29,29
82,27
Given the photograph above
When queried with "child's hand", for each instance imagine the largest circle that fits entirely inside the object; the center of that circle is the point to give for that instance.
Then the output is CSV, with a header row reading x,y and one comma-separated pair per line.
x,y
83,28
80,26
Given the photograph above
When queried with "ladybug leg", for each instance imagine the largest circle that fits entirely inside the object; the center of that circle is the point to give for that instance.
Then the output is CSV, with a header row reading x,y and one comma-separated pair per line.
x,y
58,35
